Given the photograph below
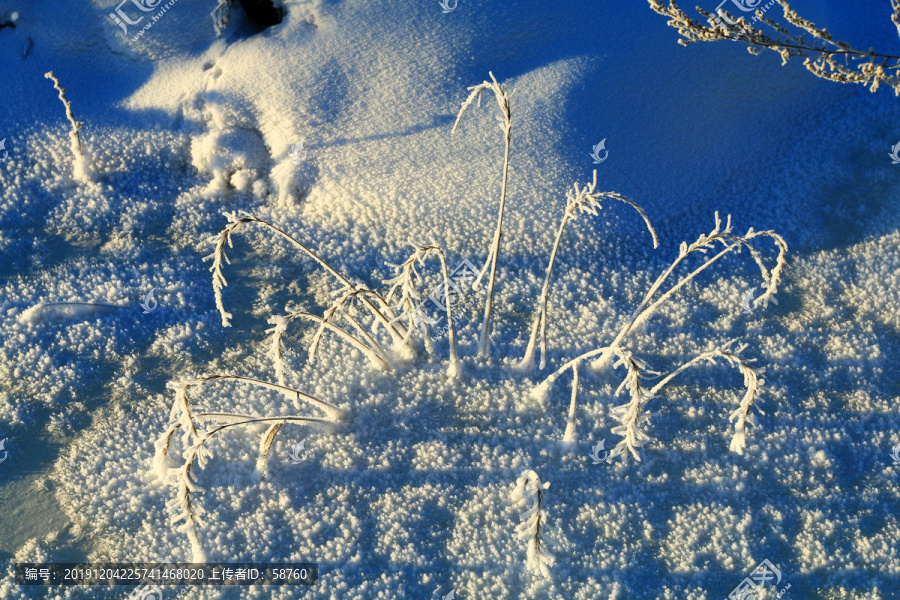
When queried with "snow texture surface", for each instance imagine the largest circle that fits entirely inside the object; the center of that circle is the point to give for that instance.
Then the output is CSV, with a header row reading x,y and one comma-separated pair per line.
x,y
413,494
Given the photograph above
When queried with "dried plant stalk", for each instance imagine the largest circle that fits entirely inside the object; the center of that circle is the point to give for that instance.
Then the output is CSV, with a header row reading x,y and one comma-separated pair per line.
x,y
569,435
494,254
529,491
375,354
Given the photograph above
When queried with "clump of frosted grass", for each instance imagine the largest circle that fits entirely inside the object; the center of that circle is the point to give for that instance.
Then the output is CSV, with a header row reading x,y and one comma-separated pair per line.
x,y
632,416
382,312
370,348
577,201
184,509
409,300
655,298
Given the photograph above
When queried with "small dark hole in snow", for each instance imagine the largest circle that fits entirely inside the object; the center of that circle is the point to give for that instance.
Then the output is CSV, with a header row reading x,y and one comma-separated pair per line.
x,y
9,20
262,13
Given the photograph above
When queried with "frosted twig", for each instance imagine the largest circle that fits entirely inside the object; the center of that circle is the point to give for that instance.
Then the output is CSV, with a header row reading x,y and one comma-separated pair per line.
x,y
895,14
820,55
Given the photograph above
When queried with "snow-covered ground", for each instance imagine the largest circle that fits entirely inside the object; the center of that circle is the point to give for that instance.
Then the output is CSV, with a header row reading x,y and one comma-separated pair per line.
x,y
411,496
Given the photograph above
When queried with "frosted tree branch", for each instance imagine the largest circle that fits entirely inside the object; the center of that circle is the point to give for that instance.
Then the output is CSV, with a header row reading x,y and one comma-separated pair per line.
x,y
823,56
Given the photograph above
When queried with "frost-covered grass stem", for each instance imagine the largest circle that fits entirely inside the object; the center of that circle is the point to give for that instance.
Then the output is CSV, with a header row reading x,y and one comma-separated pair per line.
x,y
81,167
505,123
569,435
529,491
374,353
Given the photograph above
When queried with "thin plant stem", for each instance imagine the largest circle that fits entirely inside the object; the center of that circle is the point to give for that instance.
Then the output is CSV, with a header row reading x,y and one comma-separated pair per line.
x,y
569,435
81,166
494,254
453,368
